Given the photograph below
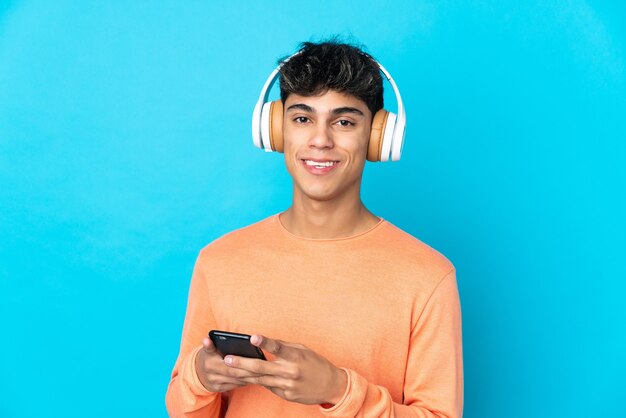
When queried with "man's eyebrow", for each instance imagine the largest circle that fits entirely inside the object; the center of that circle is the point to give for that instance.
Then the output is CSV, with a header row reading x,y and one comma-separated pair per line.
x,y
301,106
346,109
337,111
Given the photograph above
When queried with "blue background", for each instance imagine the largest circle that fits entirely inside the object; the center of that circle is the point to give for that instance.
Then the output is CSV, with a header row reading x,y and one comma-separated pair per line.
x,y
125,147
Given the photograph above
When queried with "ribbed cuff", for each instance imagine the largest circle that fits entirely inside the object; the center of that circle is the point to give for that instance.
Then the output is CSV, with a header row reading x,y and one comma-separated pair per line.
x,y
352,398
190,375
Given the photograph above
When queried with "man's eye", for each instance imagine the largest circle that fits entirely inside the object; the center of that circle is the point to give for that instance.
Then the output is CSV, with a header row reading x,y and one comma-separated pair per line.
x,y
301,119
345,123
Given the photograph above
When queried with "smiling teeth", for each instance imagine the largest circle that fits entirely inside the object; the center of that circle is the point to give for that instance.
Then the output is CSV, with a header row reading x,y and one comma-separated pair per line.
x,y
318,164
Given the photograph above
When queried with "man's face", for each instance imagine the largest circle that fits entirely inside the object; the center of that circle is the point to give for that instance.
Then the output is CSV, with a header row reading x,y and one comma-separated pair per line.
x,y
326,138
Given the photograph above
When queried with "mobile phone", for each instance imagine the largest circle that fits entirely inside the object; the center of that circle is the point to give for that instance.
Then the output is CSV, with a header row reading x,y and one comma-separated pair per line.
x,y
236,344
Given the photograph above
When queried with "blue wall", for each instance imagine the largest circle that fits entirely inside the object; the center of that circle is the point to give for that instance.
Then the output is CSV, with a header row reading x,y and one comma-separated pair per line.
x,y
125,147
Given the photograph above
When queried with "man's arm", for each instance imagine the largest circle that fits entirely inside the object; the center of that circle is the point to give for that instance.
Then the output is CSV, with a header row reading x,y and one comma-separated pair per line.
x,y
186,395
433,378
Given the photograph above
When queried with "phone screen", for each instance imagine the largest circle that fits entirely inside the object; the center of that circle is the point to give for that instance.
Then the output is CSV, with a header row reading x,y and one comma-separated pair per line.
x,y
236,344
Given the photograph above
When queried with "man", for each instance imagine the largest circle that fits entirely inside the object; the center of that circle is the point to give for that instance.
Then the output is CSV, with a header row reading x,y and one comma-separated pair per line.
x,y
357,317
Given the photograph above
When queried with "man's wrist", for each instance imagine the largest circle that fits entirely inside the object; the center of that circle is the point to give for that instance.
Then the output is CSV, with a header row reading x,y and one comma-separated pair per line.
x,y
198,358
339,388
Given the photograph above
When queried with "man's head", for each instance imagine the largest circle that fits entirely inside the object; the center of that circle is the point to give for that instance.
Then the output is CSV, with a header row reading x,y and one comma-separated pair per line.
x,y
331,65
330,93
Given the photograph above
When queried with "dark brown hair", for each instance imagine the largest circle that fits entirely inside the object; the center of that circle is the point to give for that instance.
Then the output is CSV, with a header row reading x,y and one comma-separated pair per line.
x,y
332,65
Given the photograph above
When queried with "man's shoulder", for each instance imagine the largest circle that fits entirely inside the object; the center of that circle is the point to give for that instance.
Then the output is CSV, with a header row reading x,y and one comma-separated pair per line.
x,y
240,238
407,251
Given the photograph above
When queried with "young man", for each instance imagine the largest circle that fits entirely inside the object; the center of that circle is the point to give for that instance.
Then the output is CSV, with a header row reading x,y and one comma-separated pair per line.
x,y
357,317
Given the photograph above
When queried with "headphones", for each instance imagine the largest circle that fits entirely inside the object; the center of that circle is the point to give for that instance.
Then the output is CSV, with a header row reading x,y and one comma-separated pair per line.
x,y
386,137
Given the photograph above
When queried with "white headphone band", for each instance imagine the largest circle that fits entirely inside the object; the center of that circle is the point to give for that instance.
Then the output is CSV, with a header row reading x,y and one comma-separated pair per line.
x,y
395,145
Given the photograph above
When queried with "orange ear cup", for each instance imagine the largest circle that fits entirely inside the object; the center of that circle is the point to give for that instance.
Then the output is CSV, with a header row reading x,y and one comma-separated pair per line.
x,y
375,146
276,126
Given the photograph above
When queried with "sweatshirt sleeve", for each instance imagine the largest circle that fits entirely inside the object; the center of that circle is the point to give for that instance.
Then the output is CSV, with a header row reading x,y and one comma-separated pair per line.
x,y
433,385
186,396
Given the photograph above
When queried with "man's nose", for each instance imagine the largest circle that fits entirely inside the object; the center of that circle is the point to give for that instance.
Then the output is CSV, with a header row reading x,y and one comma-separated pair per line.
x,y
322,137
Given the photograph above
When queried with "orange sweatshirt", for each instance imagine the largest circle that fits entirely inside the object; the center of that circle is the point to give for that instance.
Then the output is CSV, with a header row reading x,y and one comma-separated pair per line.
x,y
381,305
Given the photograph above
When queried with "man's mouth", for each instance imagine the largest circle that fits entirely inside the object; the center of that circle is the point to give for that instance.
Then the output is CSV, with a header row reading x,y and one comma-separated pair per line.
x,y
319,167
320,164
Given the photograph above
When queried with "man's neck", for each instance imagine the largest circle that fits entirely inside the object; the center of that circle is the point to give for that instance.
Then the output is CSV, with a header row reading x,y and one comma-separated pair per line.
x,y
309,218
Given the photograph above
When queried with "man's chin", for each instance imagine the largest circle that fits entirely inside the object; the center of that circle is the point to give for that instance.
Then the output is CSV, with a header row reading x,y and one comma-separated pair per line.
x,y
319,195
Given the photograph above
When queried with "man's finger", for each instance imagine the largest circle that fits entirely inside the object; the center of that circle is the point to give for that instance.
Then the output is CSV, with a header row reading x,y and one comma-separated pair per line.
x,y
255,367
218,383
267,381
274,347
208,346
227,380
238,373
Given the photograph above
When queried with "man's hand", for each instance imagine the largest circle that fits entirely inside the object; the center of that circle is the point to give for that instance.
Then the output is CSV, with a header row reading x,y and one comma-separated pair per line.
x,y
214,374
297,373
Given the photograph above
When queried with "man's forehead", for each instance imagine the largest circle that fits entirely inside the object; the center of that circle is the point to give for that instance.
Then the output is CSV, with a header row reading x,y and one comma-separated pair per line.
x,y
325,102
